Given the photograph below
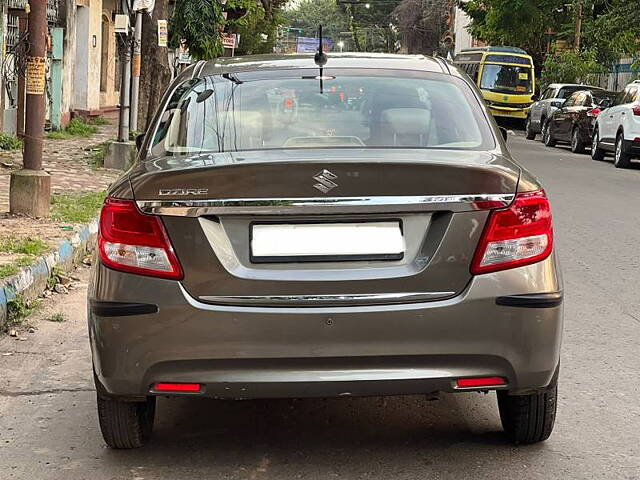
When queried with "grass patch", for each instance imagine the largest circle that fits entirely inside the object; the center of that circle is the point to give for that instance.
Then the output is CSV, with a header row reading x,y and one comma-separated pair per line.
x,y
8,270
26,246
76,208
99,121
18,309
10,142
57,317
76,128
98,153
13,268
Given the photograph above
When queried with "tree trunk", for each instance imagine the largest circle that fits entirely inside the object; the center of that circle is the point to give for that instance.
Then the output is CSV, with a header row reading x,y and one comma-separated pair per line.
x,y
155,73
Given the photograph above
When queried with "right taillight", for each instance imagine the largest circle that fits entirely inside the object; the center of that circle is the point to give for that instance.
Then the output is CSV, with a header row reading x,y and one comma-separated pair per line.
x,y
518,235
636,110
131,241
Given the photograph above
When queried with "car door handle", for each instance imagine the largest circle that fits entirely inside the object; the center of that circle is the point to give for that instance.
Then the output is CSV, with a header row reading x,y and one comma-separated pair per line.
x,y
623,113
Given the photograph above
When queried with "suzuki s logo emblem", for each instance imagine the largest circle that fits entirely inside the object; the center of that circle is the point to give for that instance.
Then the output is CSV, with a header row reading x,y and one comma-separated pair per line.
x,y
183,192
325,181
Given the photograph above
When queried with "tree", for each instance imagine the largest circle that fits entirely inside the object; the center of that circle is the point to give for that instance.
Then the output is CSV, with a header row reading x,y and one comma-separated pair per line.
x,y
518,23
155,73
308,14
422,24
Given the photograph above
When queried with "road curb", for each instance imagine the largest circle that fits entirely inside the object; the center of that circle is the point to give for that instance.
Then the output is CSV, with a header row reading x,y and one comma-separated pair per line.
x,y
31,281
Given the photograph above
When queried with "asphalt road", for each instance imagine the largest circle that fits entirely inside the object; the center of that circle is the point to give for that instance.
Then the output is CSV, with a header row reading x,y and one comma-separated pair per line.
x,y
48,427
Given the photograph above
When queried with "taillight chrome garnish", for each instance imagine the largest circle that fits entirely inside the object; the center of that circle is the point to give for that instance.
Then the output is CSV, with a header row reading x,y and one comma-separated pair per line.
x,y
519,235
131,241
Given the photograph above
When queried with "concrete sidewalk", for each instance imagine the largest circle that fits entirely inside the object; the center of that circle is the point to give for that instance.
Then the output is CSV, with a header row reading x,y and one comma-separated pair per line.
x,y
69,164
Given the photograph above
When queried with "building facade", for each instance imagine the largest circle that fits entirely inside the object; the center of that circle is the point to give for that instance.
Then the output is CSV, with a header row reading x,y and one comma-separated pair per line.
x,y
82,67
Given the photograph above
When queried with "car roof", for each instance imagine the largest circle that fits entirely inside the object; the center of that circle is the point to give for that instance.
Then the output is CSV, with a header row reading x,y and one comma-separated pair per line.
x,y
334,60
562,85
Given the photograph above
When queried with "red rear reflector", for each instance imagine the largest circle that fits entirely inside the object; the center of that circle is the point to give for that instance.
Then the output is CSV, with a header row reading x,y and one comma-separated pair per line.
x,y
518,235
178,387
480,382
131,241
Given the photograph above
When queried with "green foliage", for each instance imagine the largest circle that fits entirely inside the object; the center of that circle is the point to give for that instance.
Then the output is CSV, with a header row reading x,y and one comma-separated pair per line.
x,y
54,277
569,67
99,121
521,23
133,134
308,14
197,23
8,270
25,246
256,25
76,128
13,268
76,208
57,317
614,33
18,309
98,153
10,142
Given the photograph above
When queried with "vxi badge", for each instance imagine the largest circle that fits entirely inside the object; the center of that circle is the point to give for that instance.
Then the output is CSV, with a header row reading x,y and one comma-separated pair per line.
x,y
325,181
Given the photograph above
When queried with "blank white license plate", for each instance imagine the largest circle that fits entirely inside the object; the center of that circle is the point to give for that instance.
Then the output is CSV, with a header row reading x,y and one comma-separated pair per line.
x,y
327,241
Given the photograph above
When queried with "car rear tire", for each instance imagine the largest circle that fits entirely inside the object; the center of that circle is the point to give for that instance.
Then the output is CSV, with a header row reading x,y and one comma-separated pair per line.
x,y
577,145
621,158
547,135
126,424
596,152
528,418
528,130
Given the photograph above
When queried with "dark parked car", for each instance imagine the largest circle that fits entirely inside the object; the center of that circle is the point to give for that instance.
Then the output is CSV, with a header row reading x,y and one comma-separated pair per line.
x,y
270,243
573,123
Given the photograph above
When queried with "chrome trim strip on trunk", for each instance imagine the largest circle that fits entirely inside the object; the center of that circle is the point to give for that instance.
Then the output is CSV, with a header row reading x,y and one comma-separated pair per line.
x,y
337,299
324,205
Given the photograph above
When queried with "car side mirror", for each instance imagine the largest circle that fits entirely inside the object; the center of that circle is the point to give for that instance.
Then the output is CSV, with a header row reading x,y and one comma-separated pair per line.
x,y
557,103
605,103
139,141
535,98
505,133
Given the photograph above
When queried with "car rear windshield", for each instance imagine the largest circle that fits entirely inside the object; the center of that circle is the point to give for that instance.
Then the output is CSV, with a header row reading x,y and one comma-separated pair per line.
x,y
338,109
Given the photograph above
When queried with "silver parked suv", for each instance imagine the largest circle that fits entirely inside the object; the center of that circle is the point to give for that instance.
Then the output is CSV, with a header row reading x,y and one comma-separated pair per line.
x,y
551,99
273,241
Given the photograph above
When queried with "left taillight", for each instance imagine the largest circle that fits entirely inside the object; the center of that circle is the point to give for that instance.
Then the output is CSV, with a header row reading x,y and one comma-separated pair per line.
x,y
518,235
131,241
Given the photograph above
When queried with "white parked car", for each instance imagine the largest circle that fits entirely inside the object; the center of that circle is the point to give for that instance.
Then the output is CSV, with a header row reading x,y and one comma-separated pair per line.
x,y
617,128
552,98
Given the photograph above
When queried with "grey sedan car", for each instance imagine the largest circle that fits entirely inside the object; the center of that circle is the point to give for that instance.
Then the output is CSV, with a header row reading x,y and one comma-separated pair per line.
x,y
272,240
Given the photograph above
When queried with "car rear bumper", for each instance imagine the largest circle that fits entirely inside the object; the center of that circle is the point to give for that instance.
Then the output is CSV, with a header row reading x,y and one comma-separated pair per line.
x,y
260,352
509,112
632,147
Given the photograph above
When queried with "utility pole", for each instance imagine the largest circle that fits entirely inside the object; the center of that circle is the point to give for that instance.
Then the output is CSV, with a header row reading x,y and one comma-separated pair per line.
x,y
30,187
578,26
135,71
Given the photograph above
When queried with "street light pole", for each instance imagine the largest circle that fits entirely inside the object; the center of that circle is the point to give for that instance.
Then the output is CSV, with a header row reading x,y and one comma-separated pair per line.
x,y
30,187
125,84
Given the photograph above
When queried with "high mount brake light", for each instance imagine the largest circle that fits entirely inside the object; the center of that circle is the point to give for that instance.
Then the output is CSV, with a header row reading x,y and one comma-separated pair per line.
x,y
131,241
518,235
